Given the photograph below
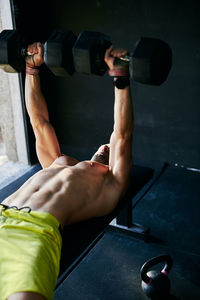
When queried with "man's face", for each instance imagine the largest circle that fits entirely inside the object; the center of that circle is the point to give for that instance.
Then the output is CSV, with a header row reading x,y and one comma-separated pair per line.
x,y
102,155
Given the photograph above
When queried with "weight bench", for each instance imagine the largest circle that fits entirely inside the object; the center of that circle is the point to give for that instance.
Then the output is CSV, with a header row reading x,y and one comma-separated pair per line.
x,y
79,238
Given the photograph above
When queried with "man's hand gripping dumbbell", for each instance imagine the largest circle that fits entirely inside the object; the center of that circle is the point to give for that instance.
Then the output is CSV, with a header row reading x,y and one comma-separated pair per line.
x,y
34,58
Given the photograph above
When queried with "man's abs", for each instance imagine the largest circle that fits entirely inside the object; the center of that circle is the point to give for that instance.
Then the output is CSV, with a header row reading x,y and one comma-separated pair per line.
x,y
71,194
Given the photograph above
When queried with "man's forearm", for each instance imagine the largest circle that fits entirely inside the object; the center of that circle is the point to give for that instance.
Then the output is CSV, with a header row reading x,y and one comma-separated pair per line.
x,y
35,101
123,113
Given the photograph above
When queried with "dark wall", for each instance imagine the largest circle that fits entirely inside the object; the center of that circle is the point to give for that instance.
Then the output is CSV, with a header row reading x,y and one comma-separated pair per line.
x,y
167,123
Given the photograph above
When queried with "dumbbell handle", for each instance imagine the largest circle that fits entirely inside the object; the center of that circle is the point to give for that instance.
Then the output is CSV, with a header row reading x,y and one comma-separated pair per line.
x,y
24,52
125,58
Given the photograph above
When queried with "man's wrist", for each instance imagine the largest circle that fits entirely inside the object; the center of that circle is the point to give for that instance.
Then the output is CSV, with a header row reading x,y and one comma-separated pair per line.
x,y
121,82
118,73
32,70
121,77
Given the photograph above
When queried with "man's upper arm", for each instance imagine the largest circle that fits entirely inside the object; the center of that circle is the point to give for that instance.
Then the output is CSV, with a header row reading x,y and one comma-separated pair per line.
x,y
47,146
121,160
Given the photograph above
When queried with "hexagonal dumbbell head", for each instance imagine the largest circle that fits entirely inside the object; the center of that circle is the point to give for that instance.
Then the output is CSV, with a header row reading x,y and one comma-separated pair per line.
x,y
89,51
58,52
11,45
151,61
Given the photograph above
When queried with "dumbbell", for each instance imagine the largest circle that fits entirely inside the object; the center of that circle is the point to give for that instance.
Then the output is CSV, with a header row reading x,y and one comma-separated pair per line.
x,y
57,52
149,62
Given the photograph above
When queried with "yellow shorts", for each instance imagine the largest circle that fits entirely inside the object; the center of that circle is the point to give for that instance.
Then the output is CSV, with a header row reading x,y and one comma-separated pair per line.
x,y
30,249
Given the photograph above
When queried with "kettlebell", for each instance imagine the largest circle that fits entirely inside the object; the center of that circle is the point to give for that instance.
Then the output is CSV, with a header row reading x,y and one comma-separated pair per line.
x,y
156,285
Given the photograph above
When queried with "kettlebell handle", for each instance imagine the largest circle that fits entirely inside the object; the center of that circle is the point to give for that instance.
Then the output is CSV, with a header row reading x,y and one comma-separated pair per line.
x,y
154,261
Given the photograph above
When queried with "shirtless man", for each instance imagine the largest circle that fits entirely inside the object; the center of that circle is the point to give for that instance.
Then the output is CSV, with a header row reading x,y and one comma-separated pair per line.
x,y
65,191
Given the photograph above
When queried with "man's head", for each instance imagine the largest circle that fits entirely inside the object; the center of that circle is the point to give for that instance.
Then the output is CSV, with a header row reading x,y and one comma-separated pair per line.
x,y
102,155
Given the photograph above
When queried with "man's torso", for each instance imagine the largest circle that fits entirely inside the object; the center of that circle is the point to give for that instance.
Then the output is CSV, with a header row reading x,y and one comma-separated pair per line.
x,y
70,193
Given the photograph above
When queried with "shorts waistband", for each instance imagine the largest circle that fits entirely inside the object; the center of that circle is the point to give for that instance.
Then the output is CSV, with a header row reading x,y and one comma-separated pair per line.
x,y
25,208
28,214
